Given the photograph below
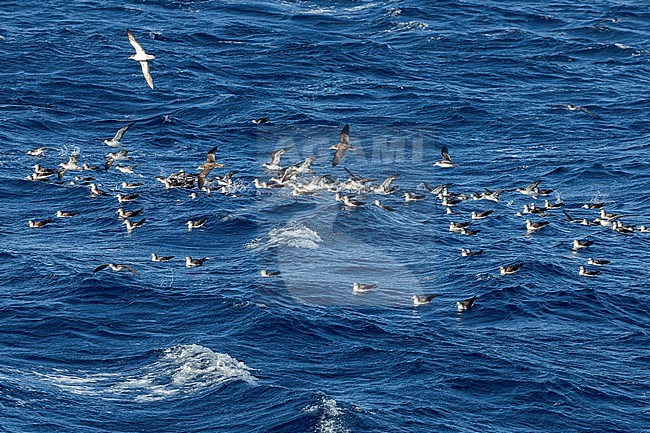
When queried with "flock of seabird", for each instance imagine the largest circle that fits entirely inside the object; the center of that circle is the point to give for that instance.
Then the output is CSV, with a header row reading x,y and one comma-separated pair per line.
x,y
301,179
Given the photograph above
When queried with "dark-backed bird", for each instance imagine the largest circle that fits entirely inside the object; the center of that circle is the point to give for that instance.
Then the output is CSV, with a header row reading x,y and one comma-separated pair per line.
x,y
382,206
481,215
209,164
579,244
95,191
276,157
268,274
587,272
156,258
466,252
37,224
130,226
466,303
362,288
122,214
535,226
191,263
342,146
64,214
446,161
117,267
116,141
195,224
510,269
122,198
419,300
572,107
410,197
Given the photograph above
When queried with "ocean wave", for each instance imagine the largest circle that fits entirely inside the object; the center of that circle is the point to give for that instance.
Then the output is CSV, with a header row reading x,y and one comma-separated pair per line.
x,y
292,235
330,416
179,370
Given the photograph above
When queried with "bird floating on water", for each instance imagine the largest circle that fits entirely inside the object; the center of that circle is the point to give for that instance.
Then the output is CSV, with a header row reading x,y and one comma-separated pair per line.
x,y
195,224
579,244
191,263
587,272
419,300
362,288
510,269
446,161
38,224
466,303
572,107
156,258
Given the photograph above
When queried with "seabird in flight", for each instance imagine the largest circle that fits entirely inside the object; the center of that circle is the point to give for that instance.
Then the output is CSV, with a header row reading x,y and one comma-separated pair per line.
x,y
342,146
208,165
116,141
142,57
276,156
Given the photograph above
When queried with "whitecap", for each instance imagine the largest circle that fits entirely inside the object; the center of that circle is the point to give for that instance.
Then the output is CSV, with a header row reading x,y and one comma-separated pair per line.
x,y
293,235
330,415
180,370
361,7
408,26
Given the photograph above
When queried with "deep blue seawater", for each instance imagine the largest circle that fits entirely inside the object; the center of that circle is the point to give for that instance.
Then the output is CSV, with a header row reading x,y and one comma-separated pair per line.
x,y
218,348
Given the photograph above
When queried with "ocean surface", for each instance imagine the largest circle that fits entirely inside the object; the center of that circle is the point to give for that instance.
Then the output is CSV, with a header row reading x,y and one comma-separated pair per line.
x,y
218,348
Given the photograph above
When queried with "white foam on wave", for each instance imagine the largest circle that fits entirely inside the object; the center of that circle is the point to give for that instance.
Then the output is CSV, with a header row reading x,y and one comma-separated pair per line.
x,y
180,370
408,26
361,7
293,235
330,416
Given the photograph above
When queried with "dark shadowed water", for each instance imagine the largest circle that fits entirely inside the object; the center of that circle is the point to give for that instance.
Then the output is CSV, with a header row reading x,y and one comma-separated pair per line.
x,y
218,348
